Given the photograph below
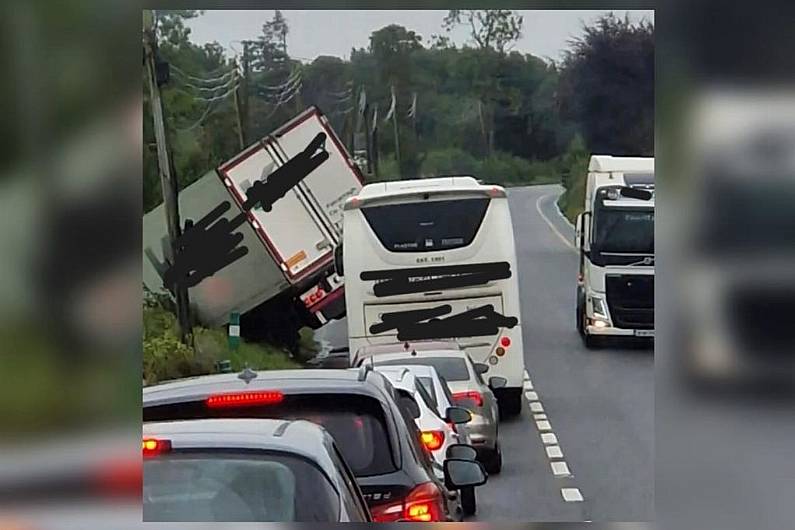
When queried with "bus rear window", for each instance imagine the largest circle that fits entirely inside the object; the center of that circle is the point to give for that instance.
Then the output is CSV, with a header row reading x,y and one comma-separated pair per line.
x,y
428,225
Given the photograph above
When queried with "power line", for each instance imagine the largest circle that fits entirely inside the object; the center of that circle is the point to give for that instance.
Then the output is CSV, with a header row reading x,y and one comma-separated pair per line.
x,y
214,89
201,79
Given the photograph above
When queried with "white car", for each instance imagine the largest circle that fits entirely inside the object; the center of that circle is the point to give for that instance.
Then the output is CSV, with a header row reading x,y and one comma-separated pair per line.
x,y
439,432
439,392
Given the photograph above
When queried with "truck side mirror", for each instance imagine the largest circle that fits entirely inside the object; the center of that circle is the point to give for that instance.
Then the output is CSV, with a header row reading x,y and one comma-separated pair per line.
x,y
578,231
338,260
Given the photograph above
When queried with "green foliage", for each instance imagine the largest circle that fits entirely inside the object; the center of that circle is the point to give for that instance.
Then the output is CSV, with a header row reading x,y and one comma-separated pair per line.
x,y
505,116
574,172
607,86
165,357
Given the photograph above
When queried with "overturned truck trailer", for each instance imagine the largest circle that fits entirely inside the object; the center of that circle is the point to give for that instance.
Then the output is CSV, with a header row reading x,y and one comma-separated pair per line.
x,y
281,200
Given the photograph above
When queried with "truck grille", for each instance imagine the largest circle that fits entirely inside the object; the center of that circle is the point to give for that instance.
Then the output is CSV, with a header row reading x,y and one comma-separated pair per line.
x,y
762,319
630,299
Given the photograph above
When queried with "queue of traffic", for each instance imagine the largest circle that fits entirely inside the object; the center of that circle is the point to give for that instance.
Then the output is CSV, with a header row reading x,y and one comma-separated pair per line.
x,y
408,428
385,441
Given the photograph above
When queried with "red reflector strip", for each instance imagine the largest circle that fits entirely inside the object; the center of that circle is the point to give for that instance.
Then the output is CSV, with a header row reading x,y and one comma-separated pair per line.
x,y
244,399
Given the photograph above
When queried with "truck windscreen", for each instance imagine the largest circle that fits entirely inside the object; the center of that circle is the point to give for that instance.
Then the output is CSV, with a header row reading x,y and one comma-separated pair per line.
x,y
624,231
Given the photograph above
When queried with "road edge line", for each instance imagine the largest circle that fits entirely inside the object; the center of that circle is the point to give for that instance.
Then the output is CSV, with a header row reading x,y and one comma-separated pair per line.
x,y
552,226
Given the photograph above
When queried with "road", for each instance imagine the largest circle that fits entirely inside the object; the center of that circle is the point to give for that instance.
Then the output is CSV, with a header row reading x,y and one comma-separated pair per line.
x,y
599,403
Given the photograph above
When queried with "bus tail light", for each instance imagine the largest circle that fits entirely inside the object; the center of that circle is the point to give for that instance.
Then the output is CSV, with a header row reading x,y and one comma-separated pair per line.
x,y
154,447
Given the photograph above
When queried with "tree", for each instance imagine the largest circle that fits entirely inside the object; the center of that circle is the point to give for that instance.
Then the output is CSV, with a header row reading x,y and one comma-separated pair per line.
x,y
607,86
489,28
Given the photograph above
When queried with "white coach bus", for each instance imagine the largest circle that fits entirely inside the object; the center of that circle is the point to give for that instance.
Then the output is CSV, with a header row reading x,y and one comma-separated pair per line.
x,y
435,259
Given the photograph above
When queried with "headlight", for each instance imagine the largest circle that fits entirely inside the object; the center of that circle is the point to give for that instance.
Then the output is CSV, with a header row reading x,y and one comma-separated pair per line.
x,y
599,309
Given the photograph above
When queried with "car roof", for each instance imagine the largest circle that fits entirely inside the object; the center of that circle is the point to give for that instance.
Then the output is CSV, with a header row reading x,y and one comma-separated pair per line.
x,y
299,437
400,347
287,381
408,356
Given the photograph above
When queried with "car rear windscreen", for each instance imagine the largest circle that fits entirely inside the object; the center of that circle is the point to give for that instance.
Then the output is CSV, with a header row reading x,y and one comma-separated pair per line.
x,y
356,422
239,485
451,368
428,225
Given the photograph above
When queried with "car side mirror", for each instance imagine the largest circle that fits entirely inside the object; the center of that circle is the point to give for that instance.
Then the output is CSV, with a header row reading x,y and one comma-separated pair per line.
x,y
481,368
338,260
460,473
457,415
461,452
497,382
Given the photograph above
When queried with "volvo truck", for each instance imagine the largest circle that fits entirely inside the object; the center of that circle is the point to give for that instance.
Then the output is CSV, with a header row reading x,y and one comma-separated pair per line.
x,y
615,239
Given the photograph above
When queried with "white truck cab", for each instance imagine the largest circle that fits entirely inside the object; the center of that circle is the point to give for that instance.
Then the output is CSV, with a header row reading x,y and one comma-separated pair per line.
x,y
615,238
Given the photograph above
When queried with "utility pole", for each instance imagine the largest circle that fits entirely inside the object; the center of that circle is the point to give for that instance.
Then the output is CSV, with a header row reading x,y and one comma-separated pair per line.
x,y
168,181
397,142
374,141
246,124
236,83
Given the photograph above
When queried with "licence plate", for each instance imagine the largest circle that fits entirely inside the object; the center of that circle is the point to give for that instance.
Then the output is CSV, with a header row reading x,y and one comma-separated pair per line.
x,y
644,333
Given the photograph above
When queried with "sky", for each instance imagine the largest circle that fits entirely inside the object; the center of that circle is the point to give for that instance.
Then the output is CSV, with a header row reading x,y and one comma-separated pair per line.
x,y
312,33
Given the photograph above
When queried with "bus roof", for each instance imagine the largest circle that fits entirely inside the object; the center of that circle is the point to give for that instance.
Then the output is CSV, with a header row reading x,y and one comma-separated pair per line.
x,y
463,183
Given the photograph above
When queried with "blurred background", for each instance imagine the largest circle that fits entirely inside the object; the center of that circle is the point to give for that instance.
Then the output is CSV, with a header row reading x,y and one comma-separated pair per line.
x,y
70,292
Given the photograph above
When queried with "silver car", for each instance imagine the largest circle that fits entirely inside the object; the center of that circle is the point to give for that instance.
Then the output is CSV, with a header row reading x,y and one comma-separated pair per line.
x,y
468,389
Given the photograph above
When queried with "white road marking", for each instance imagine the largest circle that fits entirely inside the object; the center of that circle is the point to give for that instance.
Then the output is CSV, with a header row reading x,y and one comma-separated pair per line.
x,y
543,425
560,469
549,438
536,406
531,396
528,385
557,208
526,375
571,494
553,451
554,229
539,416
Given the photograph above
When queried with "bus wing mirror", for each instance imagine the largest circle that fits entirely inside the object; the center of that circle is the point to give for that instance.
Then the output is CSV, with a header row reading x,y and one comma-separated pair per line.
x,y
635,193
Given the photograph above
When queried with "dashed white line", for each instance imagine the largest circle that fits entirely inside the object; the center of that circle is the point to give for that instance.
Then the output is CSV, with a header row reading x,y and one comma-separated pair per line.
x,y
549,438
543,425
571,494
560,469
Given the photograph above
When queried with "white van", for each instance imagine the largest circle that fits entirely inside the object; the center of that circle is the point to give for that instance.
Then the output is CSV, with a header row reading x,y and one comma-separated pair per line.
x,y
435,259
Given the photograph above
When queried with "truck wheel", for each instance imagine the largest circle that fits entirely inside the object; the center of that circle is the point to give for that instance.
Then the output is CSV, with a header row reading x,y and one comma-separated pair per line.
x,y
590,341
468,501
580,317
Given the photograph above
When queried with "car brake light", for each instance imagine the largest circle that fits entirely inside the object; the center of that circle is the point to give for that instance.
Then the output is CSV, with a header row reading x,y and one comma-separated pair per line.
x,y
505,342
432,440
154,447
422,504
244,399
471,396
